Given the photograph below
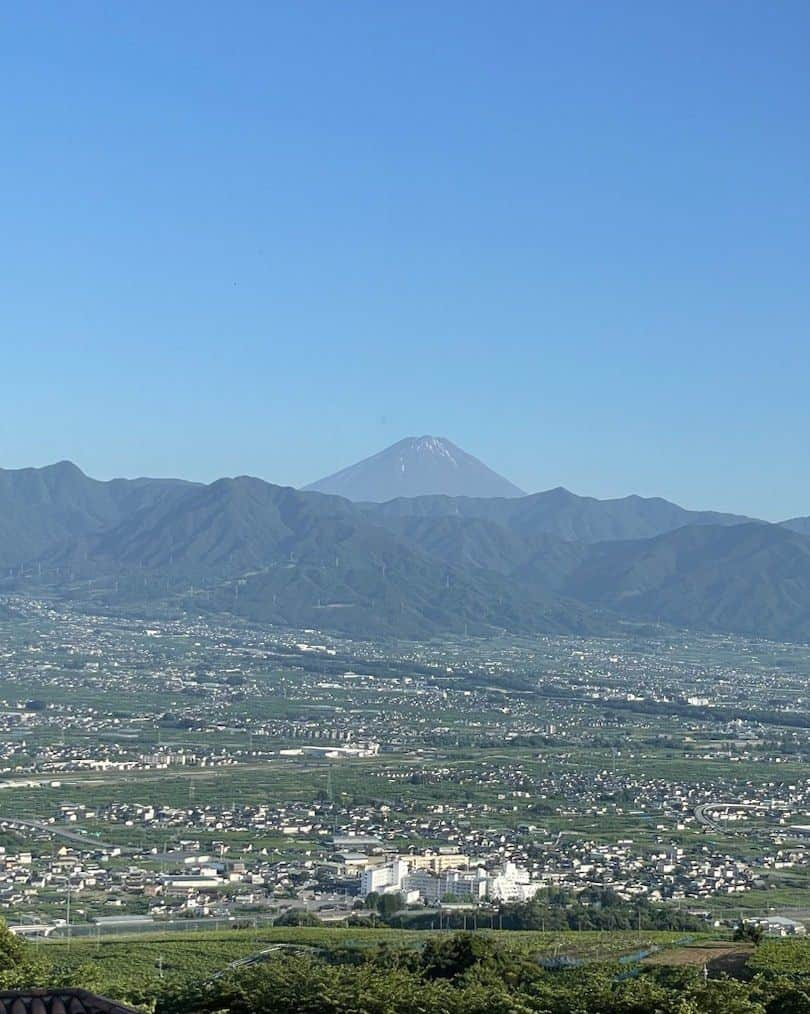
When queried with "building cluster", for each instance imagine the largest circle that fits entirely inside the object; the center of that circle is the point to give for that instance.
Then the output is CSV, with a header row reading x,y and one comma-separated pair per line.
x,y
430,879
180,768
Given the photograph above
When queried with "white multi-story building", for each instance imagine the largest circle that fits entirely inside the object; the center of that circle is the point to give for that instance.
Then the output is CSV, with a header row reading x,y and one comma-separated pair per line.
x,y
508,883
380,879
512,883
426,884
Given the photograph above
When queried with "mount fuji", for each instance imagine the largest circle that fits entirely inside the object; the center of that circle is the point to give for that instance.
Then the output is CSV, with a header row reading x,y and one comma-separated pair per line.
x,y
416,466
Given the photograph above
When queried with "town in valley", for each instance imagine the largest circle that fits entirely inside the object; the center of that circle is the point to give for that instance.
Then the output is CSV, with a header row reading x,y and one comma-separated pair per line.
x,y
202,772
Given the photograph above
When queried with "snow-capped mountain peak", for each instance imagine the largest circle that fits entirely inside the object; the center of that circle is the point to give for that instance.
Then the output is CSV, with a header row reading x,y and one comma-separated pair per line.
x,y
417,466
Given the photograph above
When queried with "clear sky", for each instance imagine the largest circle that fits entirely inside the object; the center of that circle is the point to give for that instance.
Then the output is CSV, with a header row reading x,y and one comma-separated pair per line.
x,y
274,238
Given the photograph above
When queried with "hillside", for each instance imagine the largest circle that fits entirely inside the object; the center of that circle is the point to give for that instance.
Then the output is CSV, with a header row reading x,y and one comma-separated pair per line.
x,y
40,508
800,525
749,579
552,562
274,554
561,513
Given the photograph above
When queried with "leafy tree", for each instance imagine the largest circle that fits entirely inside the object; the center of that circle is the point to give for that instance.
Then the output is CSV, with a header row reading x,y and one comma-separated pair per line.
x,y
19,967
445,958
297,917
388,904
751,932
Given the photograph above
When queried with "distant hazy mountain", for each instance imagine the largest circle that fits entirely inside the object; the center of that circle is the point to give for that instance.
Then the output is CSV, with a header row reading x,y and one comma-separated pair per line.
x,y
416,466
800,525
275,554
750,579
41,507
559,512
551,563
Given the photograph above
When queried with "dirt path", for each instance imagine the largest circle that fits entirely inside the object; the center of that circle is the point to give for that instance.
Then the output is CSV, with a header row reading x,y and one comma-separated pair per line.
x,y
722,958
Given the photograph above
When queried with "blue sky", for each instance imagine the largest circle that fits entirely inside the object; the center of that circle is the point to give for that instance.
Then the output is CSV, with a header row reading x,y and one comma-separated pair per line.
x,y
274,238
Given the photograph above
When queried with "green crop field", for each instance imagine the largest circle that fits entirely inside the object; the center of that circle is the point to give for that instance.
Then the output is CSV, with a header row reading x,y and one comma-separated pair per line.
x,y
782,957
135,966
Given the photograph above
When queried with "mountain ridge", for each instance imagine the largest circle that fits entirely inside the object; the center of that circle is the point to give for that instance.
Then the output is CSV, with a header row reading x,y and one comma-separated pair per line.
x,y
41,506
549,562
800,525
560,512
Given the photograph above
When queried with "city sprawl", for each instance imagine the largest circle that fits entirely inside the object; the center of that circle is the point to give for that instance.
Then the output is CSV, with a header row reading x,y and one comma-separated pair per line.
x,y
153,772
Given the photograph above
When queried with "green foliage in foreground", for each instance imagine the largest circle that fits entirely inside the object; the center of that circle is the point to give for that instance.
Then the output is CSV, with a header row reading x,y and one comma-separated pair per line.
x,y
395,972
17,964
139,968
782,957
468,974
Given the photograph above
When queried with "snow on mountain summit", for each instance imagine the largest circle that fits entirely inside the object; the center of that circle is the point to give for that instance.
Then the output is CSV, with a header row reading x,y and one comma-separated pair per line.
x,y
417,466
435,445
